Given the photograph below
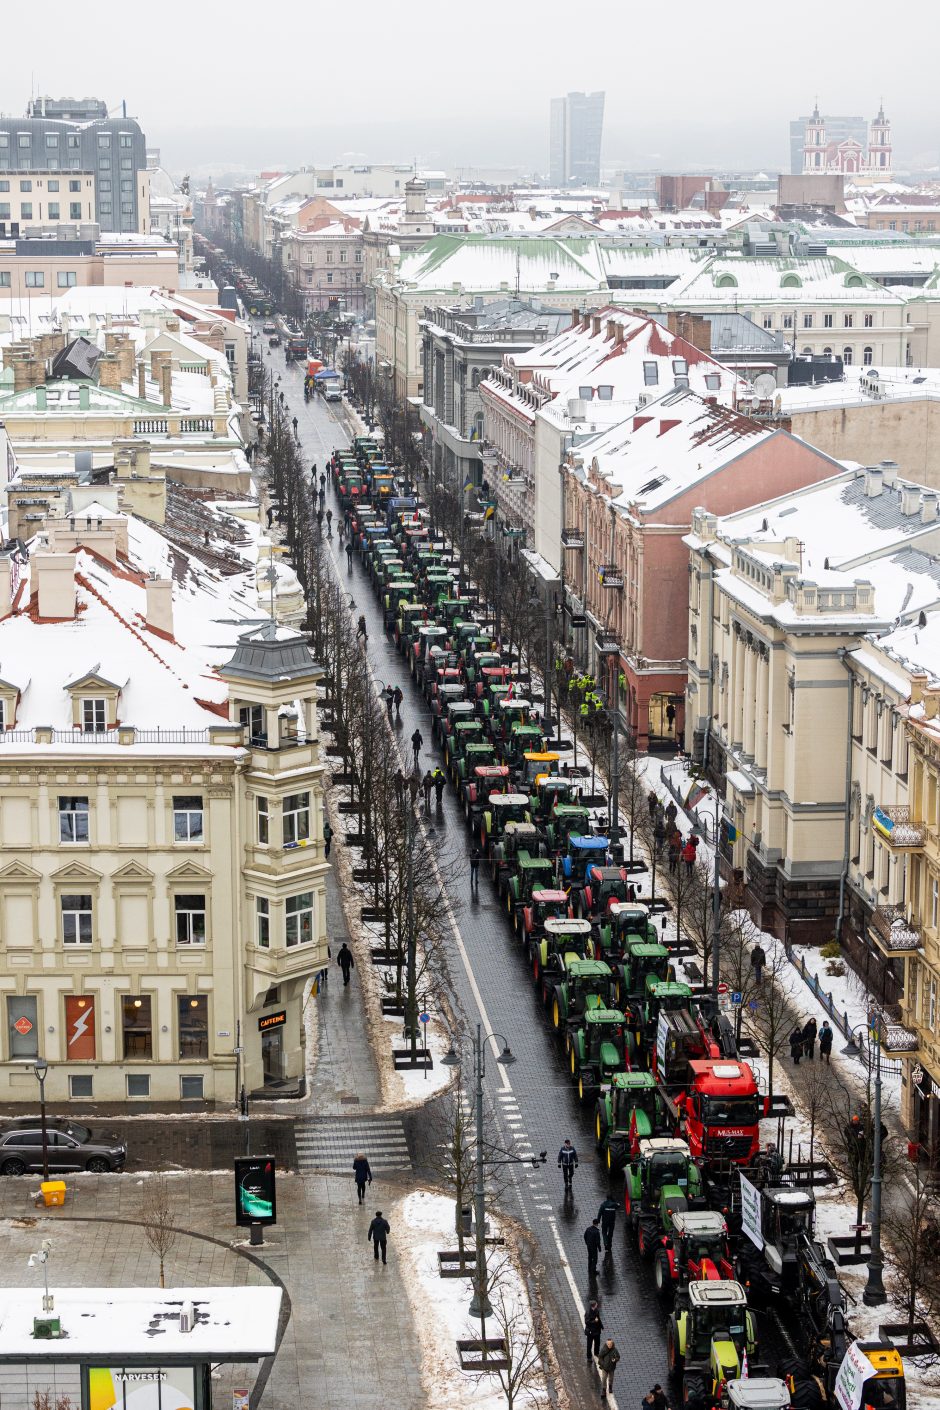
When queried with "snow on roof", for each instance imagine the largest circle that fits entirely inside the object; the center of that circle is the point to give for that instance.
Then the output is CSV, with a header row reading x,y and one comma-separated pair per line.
x,y
478,262
793,279
232,1324
893,257
863,386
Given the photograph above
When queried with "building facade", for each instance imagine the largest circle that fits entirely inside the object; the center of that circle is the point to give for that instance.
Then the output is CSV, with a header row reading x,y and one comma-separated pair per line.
x,y
324,265
826,152
576,131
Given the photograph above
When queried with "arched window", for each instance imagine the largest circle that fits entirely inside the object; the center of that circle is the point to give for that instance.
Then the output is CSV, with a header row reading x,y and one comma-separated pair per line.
x,y
726,281
854,281
827,352
847,356
807,352
867,356
791,281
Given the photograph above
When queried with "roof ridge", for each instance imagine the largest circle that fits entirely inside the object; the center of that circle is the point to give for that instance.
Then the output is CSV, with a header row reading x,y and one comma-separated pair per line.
x,y
90,587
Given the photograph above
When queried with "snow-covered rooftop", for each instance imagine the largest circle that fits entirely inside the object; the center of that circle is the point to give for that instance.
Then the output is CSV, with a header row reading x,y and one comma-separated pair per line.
x,y
863,386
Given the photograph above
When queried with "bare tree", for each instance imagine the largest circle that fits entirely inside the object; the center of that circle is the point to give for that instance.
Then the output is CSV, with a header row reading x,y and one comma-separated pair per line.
x,y
851,1133
157,1211
913,1253
770,1015
521,1374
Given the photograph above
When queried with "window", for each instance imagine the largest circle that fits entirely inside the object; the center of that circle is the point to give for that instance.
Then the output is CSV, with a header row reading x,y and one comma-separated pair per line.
x,y
713,381
127,139
190,920
65,279
104,207
651,374
869,320
299,919
296,819
26,213
4,279
73,140
4,185
52,139
359,257
263,913
4,210
26,186
827,352
137,1025
604,392
187,819
827,320
103,185
104,139
52,186
127,207
193,1011
343,256
22,1026
53,210
329,276
807,352
768,320
94,716
73,819
680,367
81,1085
847,356
867,356
807,320
77,186
934,905
75,210
252,718
848,320
329,256
127,186
23,140
264,819
138,1084
104,163
191,1087
76,919
127,164
788,320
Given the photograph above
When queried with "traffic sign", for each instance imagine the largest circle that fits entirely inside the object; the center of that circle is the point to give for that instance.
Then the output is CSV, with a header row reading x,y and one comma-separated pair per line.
x,y
753,1006
23,1026
736,996
424,1017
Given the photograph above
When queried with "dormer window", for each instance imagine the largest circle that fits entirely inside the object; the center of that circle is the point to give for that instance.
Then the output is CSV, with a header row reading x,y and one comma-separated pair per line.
x,y
94,715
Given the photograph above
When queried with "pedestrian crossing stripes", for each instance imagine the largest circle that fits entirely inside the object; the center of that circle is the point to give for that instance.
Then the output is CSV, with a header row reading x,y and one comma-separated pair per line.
x,y
328,1144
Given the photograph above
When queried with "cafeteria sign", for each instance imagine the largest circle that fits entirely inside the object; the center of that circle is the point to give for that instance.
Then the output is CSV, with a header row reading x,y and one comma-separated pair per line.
x,y
272,1020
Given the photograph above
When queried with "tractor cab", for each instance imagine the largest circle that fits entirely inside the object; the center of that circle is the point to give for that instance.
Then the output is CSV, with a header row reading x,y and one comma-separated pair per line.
x,y
452,710
583,853
661,1180
886,1389
625,922
480,642
447,690
520,841
787,1222
567,820
521,739
500,809
604,887
531,873
758,1393
509,710
697,1250
574,989
469,751
538,765
643,965
632,1111
487,670
563,940
599,1050
411,617
710,1334
465,733
720,1110
484,780
546,904
549,792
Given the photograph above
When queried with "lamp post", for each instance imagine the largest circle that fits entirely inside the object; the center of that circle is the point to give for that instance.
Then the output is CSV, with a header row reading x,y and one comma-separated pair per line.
x,y
609,648
716,906
874,1294
41,1067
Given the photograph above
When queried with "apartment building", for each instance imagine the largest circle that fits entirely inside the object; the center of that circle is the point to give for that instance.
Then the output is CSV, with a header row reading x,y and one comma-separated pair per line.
x,y
46,200
324,265
162,881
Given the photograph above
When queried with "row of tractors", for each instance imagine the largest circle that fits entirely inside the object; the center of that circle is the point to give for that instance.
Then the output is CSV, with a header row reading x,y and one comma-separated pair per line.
x,y
674,1105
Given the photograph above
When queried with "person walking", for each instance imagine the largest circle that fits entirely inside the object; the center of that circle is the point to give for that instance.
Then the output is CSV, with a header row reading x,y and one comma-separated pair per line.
x,y
400,788
327,840
294,424
329,523
607,1361
414,785
349,554
568,1162
825,1043
427,783
671,814
440,778
758,962
593,1326
417,740
689,854
398,697
652,803
322,476
362,631
379,1231
675,850
321,498
363,1174
389,702
345,961
796,1045
607,1214
592,1239
809,1039
474,868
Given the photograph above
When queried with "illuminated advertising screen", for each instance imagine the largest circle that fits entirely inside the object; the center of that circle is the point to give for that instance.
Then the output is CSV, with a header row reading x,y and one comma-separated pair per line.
x,y
141,1388
255,1195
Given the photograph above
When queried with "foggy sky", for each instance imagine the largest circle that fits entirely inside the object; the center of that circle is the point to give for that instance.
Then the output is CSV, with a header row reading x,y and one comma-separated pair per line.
x,y
688,84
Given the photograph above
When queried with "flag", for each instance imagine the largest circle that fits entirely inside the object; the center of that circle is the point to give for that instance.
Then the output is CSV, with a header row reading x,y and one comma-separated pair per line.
x,y
469,484
509,692
731,832
490,511
744,1370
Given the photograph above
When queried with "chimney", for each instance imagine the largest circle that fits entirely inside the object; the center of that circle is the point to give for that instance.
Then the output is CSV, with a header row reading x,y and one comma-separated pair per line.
x,y
28,371
127,359
160,605
54,577
109,371
142,381
928,507
889,474
575,317
910,499
873,481
166,384
172,325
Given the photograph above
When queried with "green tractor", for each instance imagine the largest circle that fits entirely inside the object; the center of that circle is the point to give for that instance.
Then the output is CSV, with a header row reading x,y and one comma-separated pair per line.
x,y
550,792
547,904
562,940
641,966
599,1051
500,809
567,820
486,779
579,986
522,739
631,1111
661,1179
519,840
709,1334
625,921
469,752
532,874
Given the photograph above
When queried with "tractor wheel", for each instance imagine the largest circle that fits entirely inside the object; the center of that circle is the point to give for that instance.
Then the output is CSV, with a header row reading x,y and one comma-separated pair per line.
x,y
693,1389
573,1061
662,1276
600,1128
556,1014
674,1355
567,1040
642,1242
585,1089
536,964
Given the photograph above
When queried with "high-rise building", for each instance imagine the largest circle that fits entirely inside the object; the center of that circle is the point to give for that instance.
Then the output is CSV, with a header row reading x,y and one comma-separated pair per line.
x,y
62,149
577,125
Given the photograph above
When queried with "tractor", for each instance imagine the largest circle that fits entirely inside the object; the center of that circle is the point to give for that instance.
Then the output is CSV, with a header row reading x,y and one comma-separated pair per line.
x,y
521,740
697,1250
583,853
567,820
604,887
479,663
468,752
447,692
599,1050
787,1219
640,966
550,792
580,985
544,905
661,1179
500,809
561,940
442,725
532,873
485,780
631,1111
625,921
709,1334
519,840
537,765
431,637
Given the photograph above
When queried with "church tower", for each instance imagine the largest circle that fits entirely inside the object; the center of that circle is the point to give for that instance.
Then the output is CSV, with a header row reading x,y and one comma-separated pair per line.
x,y
814,143
879,146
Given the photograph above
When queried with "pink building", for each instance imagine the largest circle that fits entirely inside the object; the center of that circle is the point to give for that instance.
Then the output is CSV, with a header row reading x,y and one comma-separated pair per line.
x,y
324,263
629,496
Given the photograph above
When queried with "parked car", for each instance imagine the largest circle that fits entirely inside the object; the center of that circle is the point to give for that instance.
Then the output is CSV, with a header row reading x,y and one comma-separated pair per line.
x,y
269,327
71,1146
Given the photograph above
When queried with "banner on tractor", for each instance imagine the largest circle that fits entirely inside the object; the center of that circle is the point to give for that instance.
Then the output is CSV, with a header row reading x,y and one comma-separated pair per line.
x,y
850,1381
750,1212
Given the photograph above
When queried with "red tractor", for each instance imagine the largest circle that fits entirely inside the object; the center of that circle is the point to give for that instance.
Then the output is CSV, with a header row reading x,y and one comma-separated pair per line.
x,y
695,1250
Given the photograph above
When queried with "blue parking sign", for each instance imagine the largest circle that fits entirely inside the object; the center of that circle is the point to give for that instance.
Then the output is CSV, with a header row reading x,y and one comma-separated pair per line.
x,y
736,997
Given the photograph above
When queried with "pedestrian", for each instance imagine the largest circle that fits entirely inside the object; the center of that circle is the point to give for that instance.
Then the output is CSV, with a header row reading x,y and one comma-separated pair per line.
x,y
675,851
772,1161
593,1326
322,497
796,1045
342,532
362,1173
592,1238
607,1214
400,788
648,1402
379,1231
414,784
327,839
659,833
440,779
671,717
329,523
417,740
322,476
671,814
427,783
294,424
474,868
688,856
345,961
399,697
320,520
349,554
758,962
660,1401
389,702
652,802
362,630
825,1042
568,1162
809,1039
607,1361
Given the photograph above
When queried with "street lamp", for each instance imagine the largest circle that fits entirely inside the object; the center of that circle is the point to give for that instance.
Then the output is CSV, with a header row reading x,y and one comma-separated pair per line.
x,y
874,1294
41,1067
609,648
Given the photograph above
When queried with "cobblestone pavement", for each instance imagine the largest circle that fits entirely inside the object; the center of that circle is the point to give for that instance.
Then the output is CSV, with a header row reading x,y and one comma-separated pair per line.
x,y
533,1101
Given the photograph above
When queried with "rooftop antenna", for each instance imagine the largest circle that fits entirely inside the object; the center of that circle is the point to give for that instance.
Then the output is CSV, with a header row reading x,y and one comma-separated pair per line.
x,y
518,274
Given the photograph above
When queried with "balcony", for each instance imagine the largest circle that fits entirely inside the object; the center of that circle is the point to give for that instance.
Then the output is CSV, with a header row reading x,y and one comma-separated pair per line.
x,y
610,576
894,935
572,538
895,829
898,1041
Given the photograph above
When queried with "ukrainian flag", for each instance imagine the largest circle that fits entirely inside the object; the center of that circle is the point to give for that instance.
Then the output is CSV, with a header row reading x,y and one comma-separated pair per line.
x,y
469,484
490,511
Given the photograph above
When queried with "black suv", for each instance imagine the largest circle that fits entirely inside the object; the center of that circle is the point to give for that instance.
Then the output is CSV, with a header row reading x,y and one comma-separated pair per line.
x,y
71,1146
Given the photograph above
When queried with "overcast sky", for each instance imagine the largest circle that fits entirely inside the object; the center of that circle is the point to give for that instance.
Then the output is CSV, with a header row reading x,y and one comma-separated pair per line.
x,y
687,83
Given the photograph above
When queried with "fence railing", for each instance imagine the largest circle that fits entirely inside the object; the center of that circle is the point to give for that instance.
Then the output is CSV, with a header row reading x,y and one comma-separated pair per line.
x,y
889,1066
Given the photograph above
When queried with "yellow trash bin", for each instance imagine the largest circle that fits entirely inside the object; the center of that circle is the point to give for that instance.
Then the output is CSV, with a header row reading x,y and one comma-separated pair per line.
x,y
53,1192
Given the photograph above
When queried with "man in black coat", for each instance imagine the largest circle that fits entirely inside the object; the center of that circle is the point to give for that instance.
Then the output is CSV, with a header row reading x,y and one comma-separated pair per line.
x,y
379,1231
345,961
593,1326
592,1237
362,1173
607,1214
